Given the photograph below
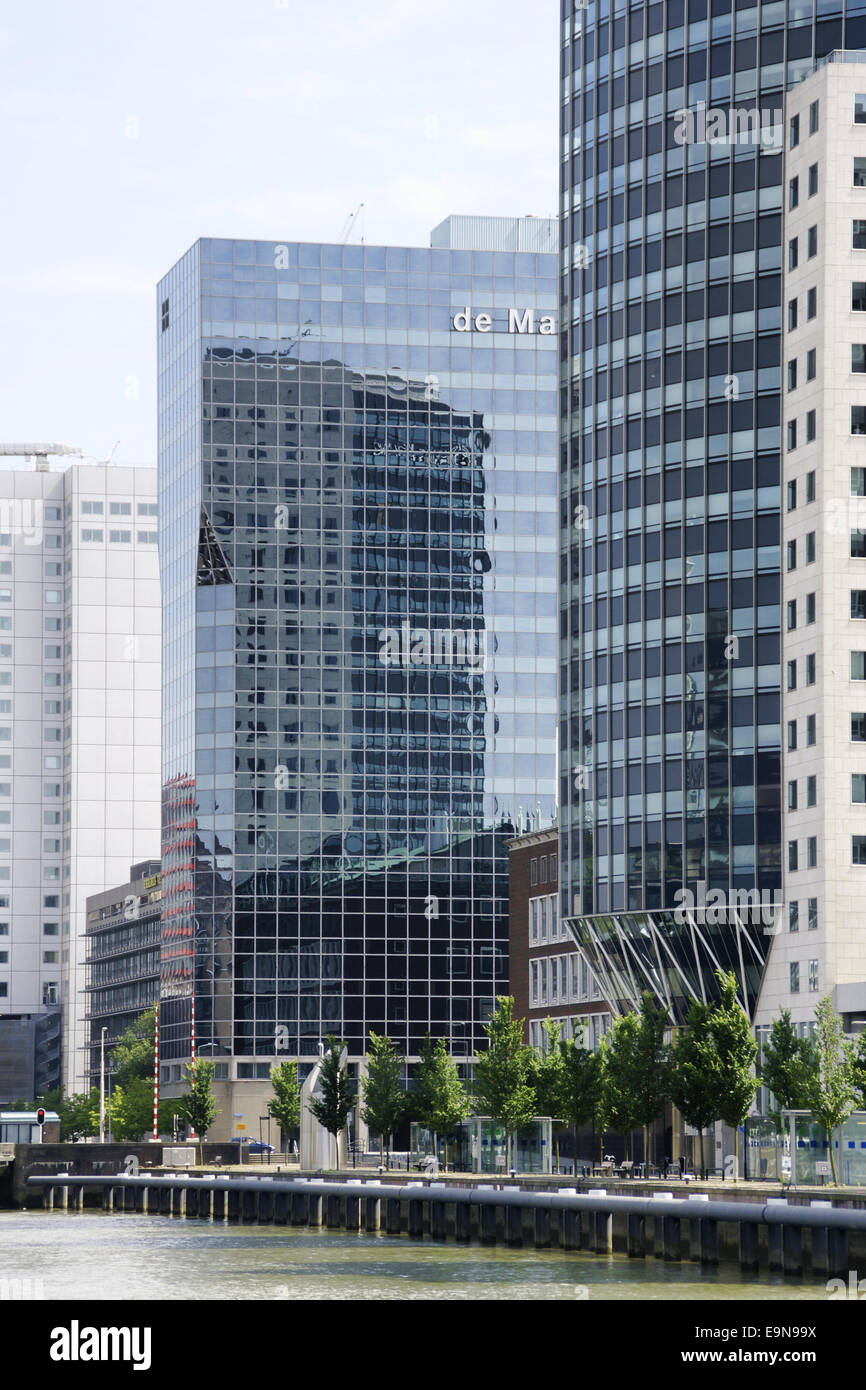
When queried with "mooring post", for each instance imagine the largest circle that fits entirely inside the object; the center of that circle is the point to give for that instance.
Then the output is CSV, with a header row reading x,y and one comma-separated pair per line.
x,y
749,1246
353,1212
659,1249
514,1226
281,1208
334,1214
372,1213
462,1222
695,1225
487,1223
636,1246
820,1246
837,1253
128,1198
191,1194
774,1235
300,1208
233,1204
438,1224
416,1218
64,1196
792,1249
601,1226
392,1216
542,1228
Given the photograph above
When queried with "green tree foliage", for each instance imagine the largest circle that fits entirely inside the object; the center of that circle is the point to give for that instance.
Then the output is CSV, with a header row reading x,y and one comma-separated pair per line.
x,y
132,1110
637,1078
285,1104
439,1098
547,1078
736,1050
502,1073
694,1072
198,1106
337,1094
132,1054
620,1055
581,1085
787,1067
385,1099
858,1069
831,1091
79,1116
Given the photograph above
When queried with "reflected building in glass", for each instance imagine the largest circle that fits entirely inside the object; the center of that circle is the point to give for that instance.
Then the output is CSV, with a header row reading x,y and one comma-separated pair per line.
x,y
671,203
359,540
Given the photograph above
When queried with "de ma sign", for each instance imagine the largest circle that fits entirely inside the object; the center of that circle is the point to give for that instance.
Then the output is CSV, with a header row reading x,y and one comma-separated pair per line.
x,y
464,321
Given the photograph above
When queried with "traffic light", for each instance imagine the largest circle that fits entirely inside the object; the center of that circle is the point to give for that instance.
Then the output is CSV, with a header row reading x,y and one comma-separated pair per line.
x,y
40,1117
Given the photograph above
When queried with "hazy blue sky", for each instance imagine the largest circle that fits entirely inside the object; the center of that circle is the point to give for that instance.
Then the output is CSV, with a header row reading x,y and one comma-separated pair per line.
x,y
129,130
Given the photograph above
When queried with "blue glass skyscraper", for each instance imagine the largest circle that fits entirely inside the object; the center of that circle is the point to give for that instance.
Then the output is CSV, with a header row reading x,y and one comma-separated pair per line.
x,y
359,531
670,329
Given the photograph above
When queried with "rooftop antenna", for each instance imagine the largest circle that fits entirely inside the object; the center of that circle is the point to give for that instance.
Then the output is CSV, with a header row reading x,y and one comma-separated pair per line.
x,y
349,224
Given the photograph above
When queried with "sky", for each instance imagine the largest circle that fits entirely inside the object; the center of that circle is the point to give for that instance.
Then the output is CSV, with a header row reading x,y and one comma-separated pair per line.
x,y
127,131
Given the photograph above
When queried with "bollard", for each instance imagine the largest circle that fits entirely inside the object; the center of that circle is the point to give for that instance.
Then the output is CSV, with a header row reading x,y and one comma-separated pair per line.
x,y
315,1209
300,1208
709,1243
192,1195
695,1225
462,1222
671,1237
792,1249
266,1206
107,1197
128,1199
636,1239
64,1197
281,1208
233,1205
601,1226
219,1205
659,1226
570,1230
353,1212
820,1246
392,1215
514,1226
165,1201
774,1235
372,1213
249,1207
334,1217
542,1229
749,1247
837,1253
438,1225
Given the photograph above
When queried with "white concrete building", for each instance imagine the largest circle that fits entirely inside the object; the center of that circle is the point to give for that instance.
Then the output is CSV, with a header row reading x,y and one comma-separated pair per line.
x,y
79,721
820,947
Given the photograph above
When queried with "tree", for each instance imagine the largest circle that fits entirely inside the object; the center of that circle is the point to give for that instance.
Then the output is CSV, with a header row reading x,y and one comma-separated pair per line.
x,y
79,1116
620,1097
547,1076
858,1069
502,1072
831,1090
132,1054
439,1097
385,1099
285,1104
736,1050
198,1106
132,1110
786,1067
331,1108
694,1072
583,1088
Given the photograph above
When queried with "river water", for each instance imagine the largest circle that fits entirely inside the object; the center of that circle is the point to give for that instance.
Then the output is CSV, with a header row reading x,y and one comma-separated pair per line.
x,y
96,1255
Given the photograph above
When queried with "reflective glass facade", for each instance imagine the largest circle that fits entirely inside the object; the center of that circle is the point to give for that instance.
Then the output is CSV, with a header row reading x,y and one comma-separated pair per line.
x,y
671,297
359,537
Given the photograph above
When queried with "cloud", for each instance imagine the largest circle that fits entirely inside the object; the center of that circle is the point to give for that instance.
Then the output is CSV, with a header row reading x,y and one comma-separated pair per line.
x,y
86,277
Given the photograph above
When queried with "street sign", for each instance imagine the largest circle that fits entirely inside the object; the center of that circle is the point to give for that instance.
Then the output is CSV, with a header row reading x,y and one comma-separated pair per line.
x,y
822,1169
241,1126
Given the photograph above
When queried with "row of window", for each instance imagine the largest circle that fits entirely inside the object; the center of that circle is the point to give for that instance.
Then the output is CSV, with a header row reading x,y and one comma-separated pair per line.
x,y
90,535
810,609
538,869
794,976
811,853
118,509
543,919
794,123
811,915
560,979
50,993
809,550
794,186
48,928
590,1029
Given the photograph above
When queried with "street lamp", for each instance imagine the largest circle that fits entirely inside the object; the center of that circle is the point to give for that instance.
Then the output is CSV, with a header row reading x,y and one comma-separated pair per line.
x,y
102,1086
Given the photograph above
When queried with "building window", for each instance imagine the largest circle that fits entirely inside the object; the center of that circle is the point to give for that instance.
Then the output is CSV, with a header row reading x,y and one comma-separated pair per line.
x,y
813,117
812,303
811,426
793,193
147,537
533,979
811,791
813,977
811,364
792,856
858,482
858,849
164,315
812,852
792,614
792,735
793,132
793,254
858,727
858,545
89,534
811,722
544,868
858,666
858,419
794,976
792,314
812,922
792,435
810,486
533,918
858,603
792,675
553,868
858,296
554,911
810,547
791,552
858,234
858,787
810,608
147,509
792,374
811,242
533,872
120,537
813,180
120,508
859,109
792,796
793,916
792,495
91,509
859,172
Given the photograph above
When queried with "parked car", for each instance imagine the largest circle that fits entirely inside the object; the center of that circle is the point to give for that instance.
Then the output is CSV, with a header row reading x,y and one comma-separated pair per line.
x,y
254,1146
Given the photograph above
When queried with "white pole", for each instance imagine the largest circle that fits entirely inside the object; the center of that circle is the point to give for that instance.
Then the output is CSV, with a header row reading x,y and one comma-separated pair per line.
x,y
102,1086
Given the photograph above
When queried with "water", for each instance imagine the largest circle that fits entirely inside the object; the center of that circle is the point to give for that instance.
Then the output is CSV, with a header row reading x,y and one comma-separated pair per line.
x,y
96,1255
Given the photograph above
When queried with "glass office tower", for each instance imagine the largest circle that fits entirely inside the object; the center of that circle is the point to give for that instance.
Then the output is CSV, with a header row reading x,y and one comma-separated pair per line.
x,y
358,487
671,303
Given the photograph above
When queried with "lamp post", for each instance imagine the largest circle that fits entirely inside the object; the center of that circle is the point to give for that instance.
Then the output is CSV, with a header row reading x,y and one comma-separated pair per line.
x,y
102,1086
